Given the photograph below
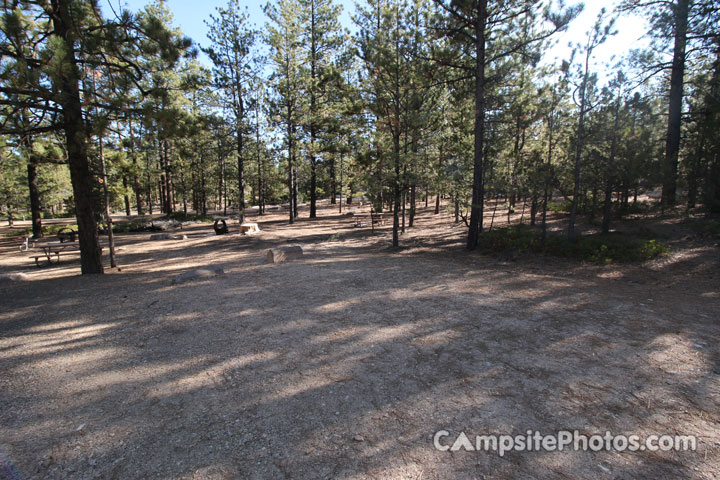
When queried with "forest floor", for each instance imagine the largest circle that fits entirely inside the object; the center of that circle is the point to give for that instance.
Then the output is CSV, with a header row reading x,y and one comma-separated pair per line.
x,y
345,363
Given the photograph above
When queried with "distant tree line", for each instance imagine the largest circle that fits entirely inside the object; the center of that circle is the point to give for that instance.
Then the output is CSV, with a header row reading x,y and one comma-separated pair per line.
x,y
428,99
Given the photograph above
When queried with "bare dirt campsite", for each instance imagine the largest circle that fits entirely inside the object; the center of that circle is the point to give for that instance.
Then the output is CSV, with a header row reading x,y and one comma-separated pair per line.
x,y
344,363
372,239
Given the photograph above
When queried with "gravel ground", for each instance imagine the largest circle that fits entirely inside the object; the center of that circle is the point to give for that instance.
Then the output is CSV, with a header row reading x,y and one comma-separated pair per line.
x,y
345,363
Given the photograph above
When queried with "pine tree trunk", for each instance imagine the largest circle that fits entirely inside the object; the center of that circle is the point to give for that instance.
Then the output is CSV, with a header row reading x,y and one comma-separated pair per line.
x,y
136,178
161,188
693,174
168,181
35,209
261,195
333,180
313,181
607,206
534,207
711,152
412,206
672,143
580,133
221,181
313,111
295,189
396,184
547,194
76,138
239,111
478,191
106,201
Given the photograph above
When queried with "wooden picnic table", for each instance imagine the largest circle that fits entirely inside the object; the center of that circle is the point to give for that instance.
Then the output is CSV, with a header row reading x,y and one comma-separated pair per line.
x,y
363,219
54,248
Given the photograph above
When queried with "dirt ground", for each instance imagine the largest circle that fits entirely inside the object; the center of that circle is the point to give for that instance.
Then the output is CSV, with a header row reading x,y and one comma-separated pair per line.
x,y
345,363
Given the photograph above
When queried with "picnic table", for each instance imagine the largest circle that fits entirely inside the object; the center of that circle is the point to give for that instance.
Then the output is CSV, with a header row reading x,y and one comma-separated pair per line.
x,y
54,248
363,219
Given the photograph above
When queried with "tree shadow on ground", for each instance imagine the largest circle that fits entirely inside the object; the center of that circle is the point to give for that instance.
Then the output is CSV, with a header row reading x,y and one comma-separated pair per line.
x,y
344,365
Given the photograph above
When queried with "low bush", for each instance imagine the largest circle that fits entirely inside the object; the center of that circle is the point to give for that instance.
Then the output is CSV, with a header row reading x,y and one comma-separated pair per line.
x,y
48,230
706,227
631,208
134,226
559,207
188,217
600,249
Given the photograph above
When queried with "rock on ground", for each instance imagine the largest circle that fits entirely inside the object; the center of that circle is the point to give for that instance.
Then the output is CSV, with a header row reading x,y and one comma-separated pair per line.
x,y
284,254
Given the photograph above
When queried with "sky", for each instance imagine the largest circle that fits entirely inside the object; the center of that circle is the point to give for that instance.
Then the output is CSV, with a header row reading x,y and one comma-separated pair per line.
x,y
190,16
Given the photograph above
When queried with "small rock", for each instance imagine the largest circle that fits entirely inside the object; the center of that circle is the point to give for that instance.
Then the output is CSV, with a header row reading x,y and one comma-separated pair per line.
x,y
358,438
80,427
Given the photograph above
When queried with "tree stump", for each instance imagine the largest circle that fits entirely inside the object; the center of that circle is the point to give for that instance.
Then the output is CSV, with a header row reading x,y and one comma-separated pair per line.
x,y
249,228
284,254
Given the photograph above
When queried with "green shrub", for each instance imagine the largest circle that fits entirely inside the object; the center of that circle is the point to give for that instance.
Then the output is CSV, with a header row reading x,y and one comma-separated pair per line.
x,y
706,228
600,249
19,233
189,217
48,230
653,249
137,225
635,208
559,207
520,238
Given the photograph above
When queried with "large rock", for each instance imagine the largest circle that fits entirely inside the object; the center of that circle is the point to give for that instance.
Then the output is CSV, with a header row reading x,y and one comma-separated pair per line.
x,y
199,274
284,254
12,277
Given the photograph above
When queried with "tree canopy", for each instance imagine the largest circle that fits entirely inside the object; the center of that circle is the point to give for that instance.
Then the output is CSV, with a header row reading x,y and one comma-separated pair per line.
x,y
453,99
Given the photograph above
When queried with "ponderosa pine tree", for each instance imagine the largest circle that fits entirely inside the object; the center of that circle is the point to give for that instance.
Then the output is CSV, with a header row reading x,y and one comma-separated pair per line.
x,y
483,33
385,47
284,33
678,29
615,91
595,37
231,43
321,40
66,32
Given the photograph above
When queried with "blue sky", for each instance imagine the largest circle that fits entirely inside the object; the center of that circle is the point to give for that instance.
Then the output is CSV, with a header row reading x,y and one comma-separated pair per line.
x,y
190,16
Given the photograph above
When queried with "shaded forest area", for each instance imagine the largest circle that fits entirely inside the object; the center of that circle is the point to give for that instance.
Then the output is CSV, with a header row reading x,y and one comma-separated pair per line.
x,y
428,100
